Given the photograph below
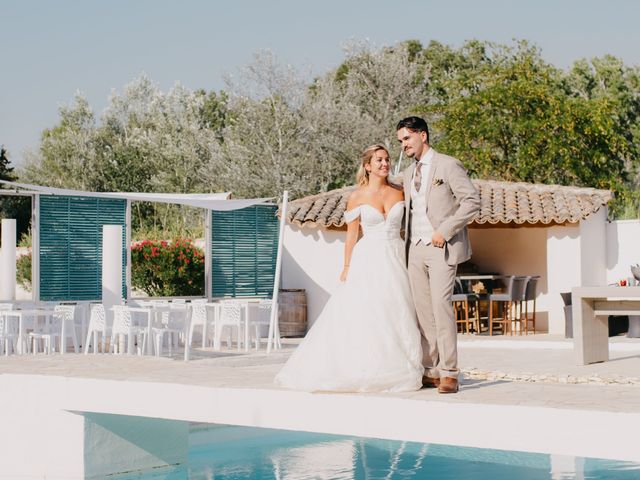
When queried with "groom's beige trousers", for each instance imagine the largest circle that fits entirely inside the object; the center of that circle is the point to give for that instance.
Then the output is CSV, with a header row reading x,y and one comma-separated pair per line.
x,y
432,281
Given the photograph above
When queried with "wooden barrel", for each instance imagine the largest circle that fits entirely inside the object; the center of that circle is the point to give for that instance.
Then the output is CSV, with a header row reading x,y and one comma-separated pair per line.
x,y
292,312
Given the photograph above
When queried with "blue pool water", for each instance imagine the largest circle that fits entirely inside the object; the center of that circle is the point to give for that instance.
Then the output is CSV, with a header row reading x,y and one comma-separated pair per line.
x,y
227,452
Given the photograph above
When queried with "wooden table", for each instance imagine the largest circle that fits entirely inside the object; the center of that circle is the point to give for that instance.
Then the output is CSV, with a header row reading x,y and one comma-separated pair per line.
x,y
591,308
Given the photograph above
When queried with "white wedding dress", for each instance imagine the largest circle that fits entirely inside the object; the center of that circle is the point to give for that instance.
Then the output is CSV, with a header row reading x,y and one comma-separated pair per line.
x,y
366,339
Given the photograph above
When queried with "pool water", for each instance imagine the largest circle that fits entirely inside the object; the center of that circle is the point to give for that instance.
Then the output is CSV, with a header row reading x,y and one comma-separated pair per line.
x,y
227,452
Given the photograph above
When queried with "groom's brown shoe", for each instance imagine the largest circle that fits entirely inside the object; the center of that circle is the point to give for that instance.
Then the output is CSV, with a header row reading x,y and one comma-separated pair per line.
x,y
430,382
448,385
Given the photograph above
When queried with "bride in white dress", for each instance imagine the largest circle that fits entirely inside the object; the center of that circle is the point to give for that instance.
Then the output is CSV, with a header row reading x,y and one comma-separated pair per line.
x,y
366,339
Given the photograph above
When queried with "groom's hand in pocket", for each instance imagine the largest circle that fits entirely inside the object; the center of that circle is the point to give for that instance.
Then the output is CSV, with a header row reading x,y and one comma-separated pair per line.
x,y
437,240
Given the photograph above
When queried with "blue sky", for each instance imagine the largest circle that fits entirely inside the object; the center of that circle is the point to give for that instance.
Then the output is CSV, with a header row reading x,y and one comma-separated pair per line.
x,y
51,49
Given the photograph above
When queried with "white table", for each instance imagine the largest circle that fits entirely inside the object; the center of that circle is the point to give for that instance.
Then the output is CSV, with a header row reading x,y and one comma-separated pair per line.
x,y
591,308
151,311
20,316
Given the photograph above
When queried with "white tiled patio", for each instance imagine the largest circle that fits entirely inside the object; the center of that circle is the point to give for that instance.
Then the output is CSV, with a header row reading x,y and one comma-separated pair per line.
x,y
517,395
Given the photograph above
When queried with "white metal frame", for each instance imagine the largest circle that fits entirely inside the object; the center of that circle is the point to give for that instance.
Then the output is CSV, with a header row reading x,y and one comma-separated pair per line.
x,y
208,259
273,340
127,227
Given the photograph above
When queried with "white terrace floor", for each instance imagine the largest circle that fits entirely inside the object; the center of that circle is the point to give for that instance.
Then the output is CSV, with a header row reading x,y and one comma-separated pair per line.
x,y
519,393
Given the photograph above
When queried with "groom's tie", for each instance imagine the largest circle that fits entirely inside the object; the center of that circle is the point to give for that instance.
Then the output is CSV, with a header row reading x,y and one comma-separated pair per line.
x,y
417,176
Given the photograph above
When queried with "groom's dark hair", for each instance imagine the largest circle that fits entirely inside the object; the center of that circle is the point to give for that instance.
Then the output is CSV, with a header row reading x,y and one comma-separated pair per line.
x,y
415,124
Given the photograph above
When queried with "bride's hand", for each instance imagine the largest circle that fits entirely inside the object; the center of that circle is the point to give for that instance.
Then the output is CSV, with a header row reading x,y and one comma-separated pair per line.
x,y
343,275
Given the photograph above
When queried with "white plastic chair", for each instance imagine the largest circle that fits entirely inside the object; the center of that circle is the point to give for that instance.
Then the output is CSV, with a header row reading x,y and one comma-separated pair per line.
x,y
8,333
97,325
199,318
258,315
230,316
171,324
123,327
67,319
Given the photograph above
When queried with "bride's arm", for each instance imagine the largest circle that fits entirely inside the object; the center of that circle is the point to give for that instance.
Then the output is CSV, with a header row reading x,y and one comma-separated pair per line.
x,y
353,230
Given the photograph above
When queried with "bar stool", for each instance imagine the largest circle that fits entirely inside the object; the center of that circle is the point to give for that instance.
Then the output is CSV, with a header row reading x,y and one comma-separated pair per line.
x,y
460,301
509,301
530,291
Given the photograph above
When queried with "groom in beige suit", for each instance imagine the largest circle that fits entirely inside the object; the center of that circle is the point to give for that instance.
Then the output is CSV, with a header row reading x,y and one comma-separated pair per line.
x,y
440,201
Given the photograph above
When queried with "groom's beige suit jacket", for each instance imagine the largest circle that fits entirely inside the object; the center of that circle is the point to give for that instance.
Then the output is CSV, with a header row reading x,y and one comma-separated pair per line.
x,y
452,202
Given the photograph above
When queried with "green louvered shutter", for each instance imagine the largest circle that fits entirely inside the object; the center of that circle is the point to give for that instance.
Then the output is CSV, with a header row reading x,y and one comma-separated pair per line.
x,y
71,245
244,245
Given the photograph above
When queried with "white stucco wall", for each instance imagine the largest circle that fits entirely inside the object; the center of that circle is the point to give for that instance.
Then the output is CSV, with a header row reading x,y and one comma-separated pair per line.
x,y
563,271
593,249
576,256
312,259
623,248
563,256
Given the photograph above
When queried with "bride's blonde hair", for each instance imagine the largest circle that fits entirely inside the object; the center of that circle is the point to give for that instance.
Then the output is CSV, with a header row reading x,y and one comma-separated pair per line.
x,y
362,177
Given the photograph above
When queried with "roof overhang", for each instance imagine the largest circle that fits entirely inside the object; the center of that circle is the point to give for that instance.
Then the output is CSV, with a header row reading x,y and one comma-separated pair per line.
x,y
502,205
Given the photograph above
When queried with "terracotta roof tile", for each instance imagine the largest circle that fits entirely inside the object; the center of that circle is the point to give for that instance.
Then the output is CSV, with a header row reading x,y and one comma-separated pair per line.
x,y
500,203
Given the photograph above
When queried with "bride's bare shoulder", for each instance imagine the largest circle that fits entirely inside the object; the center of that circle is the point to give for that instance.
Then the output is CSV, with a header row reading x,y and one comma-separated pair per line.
x,y
396,192
355,198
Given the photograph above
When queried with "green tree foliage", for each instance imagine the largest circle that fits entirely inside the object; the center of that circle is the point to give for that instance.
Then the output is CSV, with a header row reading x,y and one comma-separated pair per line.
x,y
516,119
18,208
607,79
214,112
6,171
283,133
146,141
23,271
502,109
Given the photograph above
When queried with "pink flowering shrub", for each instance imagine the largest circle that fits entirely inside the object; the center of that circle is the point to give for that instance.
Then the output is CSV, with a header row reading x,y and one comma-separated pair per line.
x,y
162,268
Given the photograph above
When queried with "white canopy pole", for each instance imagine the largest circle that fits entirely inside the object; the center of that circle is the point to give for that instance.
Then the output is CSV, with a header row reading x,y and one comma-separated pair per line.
x,y
111,267
274,329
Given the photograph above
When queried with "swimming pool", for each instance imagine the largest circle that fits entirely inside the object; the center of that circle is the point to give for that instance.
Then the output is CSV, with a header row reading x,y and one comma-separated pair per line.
x,y
228,452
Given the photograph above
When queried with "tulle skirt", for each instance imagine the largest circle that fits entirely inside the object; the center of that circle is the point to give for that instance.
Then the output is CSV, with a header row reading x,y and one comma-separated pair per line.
x,y
366,339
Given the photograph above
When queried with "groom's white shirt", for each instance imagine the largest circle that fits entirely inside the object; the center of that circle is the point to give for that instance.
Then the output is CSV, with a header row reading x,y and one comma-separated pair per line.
x,y
421,228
